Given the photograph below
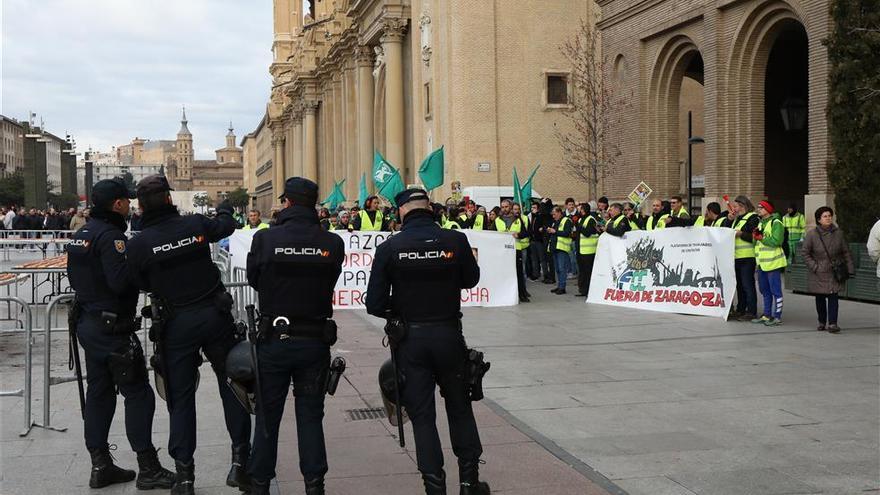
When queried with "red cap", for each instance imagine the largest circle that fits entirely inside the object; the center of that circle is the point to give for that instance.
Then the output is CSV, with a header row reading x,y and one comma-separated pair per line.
x,y
767,206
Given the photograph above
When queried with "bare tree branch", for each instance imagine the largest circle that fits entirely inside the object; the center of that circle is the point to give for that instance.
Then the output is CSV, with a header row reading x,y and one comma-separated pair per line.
x,y
591,147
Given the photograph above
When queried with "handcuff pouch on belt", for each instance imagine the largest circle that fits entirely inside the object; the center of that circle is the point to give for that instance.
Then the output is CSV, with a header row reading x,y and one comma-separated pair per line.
x,y
281,328
396,330
112,325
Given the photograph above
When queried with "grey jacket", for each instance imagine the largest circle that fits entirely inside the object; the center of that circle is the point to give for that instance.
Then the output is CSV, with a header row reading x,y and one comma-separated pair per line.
x,y
820,278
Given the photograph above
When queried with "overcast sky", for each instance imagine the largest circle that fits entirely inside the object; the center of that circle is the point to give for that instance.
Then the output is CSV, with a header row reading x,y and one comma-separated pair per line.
x,y
109,70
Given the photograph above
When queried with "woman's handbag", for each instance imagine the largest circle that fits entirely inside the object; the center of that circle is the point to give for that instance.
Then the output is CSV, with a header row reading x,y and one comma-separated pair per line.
x,y
839,270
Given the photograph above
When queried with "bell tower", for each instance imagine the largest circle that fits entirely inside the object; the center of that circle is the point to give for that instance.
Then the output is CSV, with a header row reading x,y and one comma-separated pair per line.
x,y
185,153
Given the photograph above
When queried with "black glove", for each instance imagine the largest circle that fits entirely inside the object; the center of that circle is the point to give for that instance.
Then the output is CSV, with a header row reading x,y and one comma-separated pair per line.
x,y
225,207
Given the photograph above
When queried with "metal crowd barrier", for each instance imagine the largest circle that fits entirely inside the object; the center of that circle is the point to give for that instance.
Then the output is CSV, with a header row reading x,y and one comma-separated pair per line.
x,y
33,239
47,361
25,392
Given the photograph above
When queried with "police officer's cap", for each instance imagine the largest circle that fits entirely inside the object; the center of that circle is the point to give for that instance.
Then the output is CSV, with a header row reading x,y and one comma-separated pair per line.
x,y
153,184
109,190
413,194
300,191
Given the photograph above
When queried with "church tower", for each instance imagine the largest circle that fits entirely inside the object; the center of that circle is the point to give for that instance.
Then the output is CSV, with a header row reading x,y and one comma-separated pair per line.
x,y
185,153
230,137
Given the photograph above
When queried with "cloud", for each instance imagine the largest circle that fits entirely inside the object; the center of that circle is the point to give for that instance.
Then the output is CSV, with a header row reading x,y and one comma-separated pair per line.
x,y
109,70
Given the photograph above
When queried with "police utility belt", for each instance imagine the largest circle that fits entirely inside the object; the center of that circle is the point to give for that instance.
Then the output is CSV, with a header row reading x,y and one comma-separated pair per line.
x,y
283,328
113,324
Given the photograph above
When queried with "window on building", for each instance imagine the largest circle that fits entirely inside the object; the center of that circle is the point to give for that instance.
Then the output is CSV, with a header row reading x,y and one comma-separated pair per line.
x,y
557,89
428,106
220,160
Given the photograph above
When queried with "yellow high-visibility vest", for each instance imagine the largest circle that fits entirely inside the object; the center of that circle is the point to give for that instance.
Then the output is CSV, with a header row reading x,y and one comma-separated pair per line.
x,y
515,228
795,226
366,224
743,249
660,223
769,258
588,244
563,242
263,225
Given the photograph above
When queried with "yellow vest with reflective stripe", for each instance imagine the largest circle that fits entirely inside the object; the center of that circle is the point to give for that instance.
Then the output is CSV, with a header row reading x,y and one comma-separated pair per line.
x,y
660,223
769,258
451,224
794,225
743,249
515,228
366,224
633,225
701,222
587,245
563,243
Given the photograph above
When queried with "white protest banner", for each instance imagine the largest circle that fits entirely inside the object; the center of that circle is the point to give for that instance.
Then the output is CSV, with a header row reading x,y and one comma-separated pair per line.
x,y
494,252
673,270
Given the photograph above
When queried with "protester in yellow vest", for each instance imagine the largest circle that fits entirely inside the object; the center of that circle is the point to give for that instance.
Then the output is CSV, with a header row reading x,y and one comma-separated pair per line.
x,y
677,207
370,218
559,245
744,221
632,216
795,223
659,214
526,241
618,224
510,223
771,262
255,221
588,240
711,218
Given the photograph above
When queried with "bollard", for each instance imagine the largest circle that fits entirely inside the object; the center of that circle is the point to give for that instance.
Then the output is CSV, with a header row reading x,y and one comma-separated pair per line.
x,y
47,359
28,364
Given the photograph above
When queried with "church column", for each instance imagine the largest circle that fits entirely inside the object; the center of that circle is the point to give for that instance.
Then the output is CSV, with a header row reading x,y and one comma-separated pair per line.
x,y
392,45
365,111
310,141
338,125
297,144
278,160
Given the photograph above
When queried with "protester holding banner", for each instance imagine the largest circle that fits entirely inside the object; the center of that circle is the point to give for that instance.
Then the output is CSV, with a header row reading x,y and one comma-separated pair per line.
x,y
677,207
370,218
827,256
658,217
560,247
619,224
632,216
511,223
744,222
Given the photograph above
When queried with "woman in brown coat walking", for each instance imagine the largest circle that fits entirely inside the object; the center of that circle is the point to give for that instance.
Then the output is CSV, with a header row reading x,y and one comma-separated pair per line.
x,y
823,248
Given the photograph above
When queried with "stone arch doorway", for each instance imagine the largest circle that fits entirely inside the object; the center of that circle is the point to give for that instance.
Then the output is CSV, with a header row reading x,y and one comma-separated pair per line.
x,y
766,128
677,68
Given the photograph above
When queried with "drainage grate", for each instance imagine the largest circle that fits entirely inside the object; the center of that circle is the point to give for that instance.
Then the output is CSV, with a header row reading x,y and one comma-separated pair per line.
x,y
363,414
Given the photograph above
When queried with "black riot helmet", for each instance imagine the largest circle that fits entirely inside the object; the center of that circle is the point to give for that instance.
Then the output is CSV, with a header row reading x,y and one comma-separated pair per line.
x,y
387,386
240,371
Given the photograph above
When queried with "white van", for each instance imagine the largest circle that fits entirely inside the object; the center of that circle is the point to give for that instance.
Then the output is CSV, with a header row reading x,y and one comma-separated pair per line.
x,y
491,196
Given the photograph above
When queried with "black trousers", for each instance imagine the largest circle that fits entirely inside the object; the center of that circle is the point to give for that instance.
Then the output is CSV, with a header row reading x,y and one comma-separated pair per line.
x,y
305,364
435,355
191,329
520,276
746,294
585,271
140,401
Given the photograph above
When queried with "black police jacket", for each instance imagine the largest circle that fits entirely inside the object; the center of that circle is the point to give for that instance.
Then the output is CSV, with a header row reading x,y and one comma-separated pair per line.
x,y
418,273
294,266
96,267
171,257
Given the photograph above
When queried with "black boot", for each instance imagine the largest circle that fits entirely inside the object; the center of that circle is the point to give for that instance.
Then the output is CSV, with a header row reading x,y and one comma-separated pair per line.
x,y
104,472
151,473
256,487
237,476
315,486
183,483
435,484
469,475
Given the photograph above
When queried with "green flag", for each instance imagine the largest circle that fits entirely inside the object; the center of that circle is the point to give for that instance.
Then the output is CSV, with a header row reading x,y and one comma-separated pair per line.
x,y
336,196
526,190
386,178
431,170
363,192
517,191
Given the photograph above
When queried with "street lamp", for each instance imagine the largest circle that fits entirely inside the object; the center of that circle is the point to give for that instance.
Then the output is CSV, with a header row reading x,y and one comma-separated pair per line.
x,y
692,140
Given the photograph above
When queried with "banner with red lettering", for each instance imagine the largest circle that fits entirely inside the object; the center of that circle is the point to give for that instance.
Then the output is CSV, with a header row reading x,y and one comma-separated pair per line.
x,y
494,251
674,270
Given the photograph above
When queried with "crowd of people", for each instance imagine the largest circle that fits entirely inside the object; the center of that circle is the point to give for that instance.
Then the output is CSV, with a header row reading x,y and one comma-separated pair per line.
x,y
21,218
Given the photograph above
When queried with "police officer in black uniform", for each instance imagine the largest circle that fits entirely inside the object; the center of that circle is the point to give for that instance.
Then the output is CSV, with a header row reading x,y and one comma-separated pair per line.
x,y
106,303
171,258
294,265
417,276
